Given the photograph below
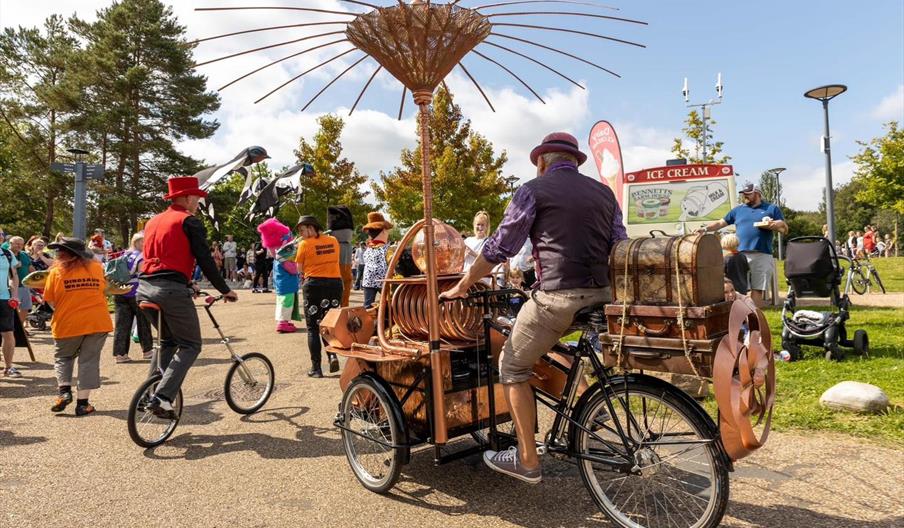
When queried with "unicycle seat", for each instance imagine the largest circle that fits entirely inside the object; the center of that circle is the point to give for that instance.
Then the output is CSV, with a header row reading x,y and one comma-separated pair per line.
x,y
147,305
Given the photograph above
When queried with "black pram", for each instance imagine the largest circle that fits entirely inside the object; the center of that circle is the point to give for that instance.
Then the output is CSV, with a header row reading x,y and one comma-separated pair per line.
x,y
812,270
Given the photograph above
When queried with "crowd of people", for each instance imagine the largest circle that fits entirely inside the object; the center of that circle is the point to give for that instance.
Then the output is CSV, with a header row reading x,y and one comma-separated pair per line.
x,y
866,243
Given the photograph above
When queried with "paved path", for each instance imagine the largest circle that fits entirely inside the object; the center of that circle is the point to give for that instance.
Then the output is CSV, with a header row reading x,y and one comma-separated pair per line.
x,y
285,466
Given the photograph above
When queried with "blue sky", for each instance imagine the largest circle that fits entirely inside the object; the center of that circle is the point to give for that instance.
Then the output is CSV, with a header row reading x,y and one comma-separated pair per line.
x,y
768,52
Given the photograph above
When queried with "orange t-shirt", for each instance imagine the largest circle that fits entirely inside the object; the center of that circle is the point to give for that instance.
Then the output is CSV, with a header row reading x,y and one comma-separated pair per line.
x,y
319,257
79,304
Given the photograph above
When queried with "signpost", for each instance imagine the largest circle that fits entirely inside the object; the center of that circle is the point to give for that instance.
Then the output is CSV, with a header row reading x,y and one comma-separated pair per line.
x,y
82,172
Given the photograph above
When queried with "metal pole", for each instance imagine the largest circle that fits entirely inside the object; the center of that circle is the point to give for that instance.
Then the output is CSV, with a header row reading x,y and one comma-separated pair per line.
x,y
80,203
830,210
704,133
778,198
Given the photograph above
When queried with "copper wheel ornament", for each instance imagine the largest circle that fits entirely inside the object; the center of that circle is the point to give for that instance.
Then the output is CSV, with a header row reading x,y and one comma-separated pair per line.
x,y
419,44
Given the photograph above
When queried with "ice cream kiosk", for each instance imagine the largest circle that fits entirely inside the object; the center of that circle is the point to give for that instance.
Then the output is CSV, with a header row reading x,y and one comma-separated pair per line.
x,y
677,199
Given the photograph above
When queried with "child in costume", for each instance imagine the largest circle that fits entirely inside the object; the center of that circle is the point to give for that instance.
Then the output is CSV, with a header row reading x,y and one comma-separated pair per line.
x,y
277,239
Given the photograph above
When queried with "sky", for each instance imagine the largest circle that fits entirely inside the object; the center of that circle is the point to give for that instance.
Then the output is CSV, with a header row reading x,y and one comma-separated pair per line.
x,y
769,53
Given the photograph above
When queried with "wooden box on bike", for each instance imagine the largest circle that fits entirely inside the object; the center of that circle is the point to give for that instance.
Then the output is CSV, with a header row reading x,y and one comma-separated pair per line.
x,y
660,269
661,354
699,322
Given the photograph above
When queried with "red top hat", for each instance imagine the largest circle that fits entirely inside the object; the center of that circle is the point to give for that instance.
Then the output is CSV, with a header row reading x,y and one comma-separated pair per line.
x,y
558,142
184,186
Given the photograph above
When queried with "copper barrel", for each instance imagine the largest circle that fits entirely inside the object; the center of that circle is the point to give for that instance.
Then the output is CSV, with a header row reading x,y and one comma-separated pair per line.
x,y
457,320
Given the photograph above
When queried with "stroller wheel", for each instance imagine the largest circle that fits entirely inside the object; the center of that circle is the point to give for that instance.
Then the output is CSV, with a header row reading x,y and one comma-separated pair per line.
x,y
861,343
834,353
793,349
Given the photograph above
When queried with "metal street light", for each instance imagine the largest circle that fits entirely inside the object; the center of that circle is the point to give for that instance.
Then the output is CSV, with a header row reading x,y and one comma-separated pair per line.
x,y
778,199
826,94
80,202
511,180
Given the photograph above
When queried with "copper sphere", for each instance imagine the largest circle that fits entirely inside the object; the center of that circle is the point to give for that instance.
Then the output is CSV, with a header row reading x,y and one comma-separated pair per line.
x,y
449,249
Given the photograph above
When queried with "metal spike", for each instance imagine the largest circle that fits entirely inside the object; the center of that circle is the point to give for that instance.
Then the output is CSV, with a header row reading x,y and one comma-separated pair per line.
x,y
560,74
360,95
277,61
532,43
566,13
510,72
357,62
479,89
402,104
310,9
268,94
573,31
574,2
343,22
268,47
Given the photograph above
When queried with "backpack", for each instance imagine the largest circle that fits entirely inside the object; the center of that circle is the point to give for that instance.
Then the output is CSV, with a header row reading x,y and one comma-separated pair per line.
x,y
117,270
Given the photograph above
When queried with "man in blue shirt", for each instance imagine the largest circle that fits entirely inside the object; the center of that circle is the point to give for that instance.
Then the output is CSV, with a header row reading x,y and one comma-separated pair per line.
x,y
9,285
755,220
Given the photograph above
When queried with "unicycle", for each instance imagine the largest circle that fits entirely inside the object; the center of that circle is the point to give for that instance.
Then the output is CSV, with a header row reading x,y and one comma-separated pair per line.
x,y
145,428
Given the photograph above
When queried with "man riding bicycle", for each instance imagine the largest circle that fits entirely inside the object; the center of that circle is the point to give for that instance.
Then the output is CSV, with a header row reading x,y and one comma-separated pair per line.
x,y
173,241
573,221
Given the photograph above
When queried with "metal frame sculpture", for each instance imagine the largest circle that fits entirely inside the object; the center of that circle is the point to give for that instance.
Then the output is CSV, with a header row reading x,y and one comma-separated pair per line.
x,y
420,44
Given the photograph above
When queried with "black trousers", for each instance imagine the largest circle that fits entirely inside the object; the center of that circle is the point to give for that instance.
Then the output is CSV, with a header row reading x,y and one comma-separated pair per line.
x,y
320,295
125,311
262,274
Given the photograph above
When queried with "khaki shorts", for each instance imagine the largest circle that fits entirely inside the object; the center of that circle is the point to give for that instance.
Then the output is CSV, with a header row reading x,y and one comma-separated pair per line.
x,y
761,266
229,263
86,350
543,320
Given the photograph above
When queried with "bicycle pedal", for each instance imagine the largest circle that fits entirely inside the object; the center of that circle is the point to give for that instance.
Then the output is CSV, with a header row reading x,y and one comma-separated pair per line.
x,y
542,450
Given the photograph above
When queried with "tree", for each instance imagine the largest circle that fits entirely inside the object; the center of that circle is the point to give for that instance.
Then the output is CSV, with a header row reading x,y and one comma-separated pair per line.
x,y
141,95
772,188
335,181
467,174
38,95
851,213
880,170
693,131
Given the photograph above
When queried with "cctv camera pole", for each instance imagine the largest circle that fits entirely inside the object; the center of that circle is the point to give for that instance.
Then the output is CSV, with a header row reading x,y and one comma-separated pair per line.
x,y
705,108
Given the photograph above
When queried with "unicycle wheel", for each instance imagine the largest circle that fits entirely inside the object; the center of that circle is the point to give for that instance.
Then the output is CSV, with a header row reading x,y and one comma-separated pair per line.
x,y
249,383
146,429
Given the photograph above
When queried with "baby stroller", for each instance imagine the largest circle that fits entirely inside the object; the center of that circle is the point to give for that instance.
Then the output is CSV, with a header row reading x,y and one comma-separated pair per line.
x,y
812,270
40,313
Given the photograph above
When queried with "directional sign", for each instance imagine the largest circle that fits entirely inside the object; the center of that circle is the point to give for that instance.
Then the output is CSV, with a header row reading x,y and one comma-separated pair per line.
x,y
62,167
95,172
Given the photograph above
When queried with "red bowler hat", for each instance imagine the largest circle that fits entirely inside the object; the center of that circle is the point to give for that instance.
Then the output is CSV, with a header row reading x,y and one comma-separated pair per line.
x,y
558,142
183,186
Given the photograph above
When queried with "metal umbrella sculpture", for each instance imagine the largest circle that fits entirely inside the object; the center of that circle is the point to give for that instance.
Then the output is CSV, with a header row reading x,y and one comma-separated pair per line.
x,y
420,44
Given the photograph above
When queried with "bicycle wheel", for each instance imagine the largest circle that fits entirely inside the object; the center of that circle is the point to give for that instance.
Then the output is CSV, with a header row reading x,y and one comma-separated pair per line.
x,y
146,429
366,409
679,478
249,383
859,282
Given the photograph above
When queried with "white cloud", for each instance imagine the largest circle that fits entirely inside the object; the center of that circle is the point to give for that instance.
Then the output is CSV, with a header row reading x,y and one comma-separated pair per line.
x,y
891,107
803,187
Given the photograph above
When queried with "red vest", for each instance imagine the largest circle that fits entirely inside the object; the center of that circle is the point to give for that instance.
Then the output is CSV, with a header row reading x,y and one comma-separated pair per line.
x,y
166,246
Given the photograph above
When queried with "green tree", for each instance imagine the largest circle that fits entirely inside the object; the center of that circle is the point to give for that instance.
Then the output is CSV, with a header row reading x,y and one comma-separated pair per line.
x,y
880,170
851,213
335,181
141,95
772,188
38,96
693,134
467,174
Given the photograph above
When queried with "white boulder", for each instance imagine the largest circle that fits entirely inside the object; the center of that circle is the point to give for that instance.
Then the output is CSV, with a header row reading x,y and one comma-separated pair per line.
x,y
854,396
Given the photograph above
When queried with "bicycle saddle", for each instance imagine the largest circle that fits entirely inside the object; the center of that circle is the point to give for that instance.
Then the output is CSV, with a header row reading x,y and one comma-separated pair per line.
x,y
147,305
588,315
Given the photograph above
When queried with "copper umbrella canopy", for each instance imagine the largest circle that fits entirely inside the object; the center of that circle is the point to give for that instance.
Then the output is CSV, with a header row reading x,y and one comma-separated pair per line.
x,y
419,44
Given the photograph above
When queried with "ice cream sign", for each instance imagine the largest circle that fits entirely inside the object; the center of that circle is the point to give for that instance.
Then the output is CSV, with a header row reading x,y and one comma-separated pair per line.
x,y
677,198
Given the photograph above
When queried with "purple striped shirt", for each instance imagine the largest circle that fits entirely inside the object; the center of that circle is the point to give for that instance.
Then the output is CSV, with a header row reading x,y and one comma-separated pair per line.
x,y
519,216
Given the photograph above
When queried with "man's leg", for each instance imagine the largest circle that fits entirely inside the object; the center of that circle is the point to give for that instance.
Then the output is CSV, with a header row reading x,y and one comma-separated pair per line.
x,y
7,328
122,326
9,347
520,399
181,322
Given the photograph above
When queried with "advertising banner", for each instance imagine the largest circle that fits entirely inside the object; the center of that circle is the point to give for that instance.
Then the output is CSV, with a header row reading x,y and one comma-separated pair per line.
x,y
607,155
677,199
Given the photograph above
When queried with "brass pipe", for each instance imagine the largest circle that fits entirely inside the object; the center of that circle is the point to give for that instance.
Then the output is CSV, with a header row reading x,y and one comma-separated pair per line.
x,y
384,296
423,98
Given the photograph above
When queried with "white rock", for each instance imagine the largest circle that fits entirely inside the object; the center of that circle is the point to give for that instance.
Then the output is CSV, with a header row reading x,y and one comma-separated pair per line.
x,y
854,396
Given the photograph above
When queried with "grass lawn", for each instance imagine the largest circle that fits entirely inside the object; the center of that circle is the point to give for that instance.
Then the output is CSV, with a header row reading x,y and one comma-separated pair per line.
x,y
891,271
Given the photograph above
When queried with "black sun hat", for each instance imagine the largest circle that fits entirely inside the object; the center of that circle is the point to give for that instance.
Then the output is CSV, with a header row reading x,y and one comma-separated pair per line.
x,y
73,245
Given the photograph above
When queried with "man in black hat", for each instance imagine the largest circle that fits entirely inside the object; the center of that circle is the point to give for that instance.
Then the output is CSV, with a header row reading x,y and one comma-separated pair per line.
x,y
572,221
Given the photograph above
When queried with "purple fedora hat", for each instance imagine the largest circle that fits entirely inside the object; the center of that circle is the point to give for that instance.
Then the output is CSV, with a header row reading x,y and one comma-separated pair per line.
x,y
558,142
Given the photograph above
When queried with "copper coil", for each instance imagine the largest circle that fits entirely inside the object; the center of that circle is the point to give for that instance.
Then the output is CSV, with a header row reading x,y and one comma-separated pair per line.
x,y
457,320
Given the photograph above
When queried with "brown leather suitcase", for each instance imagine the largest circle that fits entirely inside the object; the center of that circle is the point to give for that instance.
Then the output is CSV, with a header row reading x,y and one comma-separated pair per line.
x,y
651,274
700,322
661,354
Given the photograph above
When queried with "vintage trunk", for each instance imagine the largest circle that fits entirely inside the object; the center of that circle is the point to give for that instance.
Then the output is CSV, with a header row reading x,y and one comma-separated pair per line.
x,y
700,322
643,270
661,354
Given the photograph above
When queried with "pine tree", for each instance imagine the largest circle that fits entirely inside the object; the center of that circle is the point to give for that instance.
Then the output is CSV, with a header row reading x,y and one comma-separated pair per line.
x,y
142,95
467,174
335,181
693,131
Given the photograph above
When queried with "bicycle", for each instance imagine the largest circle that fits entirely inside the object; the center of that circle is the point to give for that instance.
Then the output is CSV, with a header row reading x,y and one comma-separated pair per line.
x,y
647,452
249,384
858,280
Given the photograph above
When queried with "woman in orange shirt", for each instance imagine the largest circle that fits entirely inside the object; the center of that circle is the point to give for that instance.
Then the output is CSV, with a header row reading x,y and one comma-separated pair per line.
x,y
318,261
81,320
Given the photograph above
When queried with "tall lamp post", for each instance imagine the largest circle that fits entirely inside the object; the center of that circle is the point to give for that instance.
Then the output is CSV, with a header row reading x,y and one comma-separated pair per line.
x,y
80,204
826,94
778,201
511,180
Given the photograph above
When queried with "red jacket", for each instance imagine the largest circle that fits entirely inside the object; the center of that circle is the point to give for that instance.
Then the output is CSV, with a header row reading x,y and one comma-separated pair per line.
x,y
166,246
